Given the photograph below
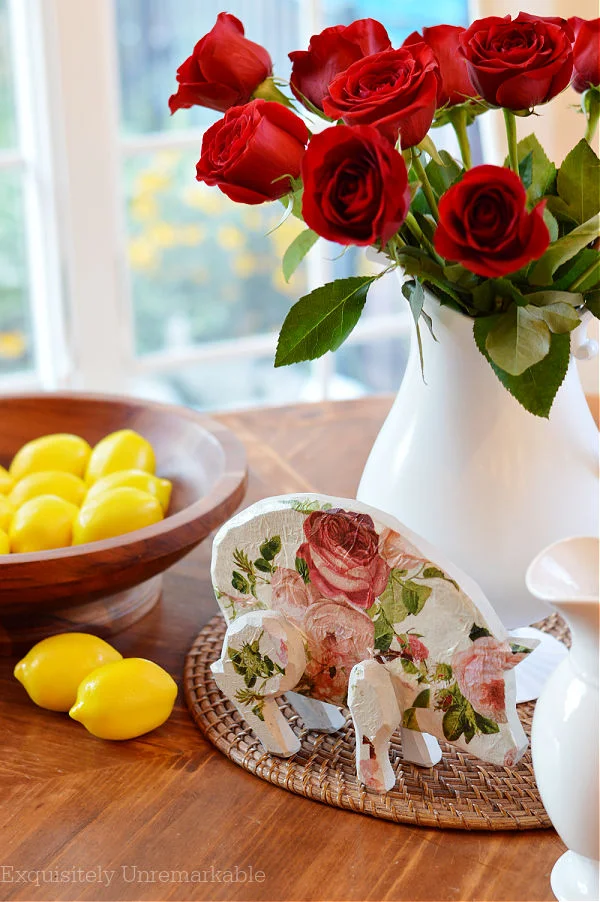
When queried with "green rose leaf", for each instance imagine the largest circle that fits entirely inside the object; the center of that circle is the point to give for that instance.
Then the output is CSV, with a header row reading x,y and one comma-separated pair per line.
x,y
559,317
443,174
270,548
414,596
517,340
551,223
546,298
562,250
409,720
433,573
414,294
297,251
536,388
543,171
239,583
443,672
517,649
408,666
391,599
383,634
322,320
585,260
422,699
262,565
526,169
477,632
592,302
578,182
302,568
453,723
485,725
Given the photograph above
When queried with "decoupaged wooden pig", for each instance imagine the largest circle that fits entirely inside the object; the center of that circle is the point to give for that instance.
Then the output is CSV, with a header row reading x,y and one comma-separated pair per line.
x,y
332,602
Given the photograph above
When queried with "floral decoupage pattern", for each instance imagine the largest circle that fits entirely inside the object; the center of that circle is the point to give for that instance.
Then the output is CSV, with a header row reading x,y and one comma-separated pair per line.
x,y
358,589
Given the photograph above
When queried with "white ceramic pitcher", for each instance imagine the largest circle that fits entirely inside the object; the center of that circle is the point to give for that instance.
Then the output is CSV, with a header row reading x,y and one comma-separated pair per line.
x,y
460,462
564,736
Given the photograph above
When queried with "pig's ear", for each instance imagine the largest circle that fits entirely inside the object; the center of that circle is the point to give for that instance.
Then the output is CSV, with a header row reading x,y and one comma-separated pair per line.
x,y
519,651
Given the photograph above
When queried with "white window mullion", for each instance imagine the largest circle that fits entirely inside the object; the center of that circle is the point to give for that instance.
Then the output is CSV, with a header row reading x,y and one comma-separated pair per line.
x,y
82,73
35,160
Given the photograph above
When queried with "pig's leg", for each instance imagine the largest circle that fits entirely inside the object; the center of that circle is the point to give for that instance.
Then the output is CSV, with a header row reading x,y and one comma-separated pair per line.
x,y
420,748
375,713
262,658
315,714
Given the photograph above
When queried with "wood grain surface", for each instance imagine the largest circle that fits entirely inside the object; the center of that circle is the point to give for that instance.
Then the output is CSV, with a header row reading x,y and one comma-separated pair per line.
x,y
169,802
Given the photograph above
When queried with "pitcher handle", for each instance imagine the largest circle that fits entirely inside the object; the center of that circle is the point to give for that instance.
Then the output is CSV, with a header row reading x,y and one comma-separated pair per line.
x,y
583,347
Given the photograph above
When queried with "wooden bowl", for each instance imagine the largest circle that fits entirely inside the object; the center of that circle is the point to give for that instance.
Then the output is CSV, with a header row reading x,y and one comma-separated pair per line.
x,y
103,587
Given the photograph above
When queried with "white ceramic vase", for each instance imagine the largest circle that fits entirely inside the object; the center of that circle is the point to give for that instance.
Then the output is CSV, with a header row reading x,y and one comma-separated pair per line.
x,y
564,735
461,463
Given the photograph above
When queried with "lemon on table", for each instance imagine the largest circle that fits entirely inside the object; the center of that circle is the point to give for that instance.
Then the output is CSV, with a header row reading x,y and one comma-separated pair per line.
x,y
42,523
4,542
124,699
122,450
136,479
59,451
48,482
6,482
6,513
53,669
114,513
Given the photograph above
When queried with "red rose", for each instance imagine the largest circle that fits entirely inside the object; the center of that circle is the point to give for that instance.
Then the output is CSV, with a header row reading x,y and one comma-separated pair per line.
x,y
355,186
250,151
586,53
341,553
518,64
223,71
330,53
454,82
394,90
484,223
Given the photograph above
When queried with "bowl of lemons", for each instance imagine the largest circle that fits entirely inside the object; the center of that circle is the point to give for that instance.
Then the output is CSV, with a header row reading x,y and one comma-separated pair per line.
x,y
98,496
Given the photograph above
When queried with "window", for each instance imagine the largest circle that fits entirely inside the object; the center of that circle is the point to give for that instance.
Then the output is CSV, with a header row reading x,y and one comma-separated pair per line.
x,y
118,271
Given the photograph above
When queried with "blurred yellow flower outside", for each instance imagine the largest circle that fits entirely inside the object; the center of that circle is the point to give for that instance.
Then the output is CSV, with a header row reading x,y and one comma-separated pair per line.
x,y
12,345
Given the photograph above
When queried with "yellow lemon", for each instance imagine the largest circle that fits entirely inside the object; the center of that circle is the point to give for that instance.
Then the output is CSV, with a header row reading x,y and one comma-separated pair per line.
x,y
60,451
6,512
42,523
48,482
124,699
115,513
136,479
4,542
53,669
122,450
6,482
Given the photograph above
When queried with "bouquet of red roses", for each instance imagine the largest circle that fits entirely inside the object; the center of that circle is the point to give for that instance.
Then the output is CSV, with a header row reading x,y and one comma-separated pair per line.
x,y
513,247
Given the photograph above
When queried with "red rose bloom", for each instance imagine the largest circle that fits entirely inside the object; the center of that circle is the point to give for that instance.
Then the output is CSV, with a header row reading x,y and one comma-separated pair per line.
x,y
341,553
330,53
586,53
484,223
223,71
355,186
248,152
395,91
521,63
454,82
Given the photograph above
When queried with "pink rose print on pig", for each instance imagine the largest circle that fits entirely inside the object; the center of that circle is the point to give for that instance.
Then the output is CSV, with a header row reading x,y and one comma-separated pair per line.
x,y
341,552
479,672
398,552
291,595
338,637
413,648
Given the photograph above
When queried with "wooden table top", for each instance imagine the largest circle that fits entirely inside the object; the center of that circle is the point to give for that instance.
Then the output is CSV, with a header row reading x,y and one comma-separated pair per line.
x,y
85,819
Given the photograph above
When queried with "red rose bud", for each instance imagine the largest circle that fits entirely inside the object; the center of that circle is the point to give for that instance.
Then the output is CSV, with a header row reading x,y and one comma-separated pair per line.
x,y
395,91
521,63
586,53
223,71
454,82
355,186
252,151
330,53
484,223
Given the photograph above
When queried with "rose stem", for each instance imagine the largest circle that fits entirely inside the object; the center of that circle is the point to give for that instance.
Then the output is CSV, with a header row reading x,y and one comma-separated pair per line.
x,y
416,230
583,276
593,113
511,134
458,119
425,183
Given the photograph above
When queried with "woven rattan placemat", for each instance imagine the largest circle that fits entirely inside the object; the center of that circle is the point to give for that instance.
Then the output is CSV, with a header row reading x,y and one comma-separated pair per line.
x,y
459,792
